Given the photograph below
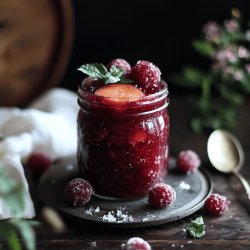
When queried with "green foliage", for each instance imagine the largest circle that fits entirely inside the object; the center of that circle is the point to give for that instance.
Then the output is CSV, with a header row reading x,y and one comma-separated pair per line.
x,y
99,71
205,48
196,229
12,195
225,85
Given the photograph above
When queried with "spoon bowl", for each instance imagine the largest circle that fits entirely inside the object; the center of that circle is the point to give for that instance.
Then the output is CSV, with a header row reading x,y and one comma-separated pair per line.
x,y
226,154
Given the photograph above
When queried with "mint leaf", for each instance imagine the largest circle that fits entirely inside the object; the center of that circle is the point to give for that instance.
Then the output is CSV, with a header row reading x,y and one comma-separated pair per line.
x,y
26,231
95,70
196,229
99,71
116,72
10,235
12,193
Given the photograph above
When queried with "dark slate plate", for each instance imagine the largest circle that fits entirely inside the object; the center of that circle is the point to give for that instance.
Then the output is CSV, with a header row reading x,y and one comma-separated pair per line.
x,y
191,192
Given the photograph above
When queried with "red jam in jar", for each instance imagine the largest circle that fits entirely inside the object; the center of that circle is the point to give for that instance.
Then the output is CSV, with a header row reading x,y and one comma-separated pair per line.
x,y
122,145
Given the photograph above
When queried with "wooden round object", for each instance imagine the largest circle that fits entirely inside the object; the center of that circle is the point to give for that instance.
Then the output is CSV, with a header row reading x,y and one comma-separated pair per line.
x,y
36,40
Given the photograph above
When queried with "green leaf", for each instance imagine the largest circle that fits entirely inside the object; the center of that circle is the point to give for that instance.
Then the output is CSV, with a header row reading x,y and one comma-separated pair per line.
x,y
10,235
26,231
196,124
231,95
95,70
193,75
12,193
196,229
99,71
12,240
203,47
125,80
116,72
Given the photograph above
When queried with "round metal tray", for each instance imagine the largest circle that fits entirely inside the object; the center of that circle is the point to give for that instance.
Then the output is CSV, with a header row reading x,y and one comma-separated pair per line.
x,y
191,192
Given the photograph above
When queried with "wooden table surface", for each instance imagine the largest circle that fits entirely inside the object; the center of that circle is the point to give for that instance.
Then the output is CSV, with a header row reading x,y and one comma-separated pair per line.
x,y
228,231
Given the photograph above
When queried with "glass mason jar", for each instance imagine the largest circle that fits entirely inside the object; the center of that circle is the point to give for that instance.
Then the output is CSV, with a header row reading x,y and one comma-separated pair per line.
x,y
123,149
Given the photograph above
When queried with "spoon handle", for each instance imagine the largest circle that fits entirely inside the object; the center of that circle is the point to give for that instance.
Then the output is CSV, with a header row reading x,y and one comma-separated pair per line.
x,y
244,183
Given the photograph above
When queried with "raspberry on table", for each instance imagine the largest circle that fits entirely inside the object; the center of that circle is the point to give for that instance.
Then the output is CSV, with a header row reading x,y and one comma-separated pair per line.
x,y
188,161
216,204
145,74
161,195
38,162
78,192
136,243
121,64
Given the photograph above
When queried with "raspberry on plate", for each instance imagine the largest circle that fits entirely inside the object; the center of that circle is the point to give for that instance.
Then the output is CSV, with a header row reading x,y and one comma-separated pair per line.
x,y
120,63
38,162
161,195
145,74
78,192
216,204
136,243
188,161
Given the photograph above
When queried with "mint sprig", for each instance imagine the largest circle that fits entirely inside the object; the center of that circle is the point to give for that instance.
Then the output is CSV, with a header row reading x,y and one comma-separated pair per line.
x,y
12,196
196,229
99,71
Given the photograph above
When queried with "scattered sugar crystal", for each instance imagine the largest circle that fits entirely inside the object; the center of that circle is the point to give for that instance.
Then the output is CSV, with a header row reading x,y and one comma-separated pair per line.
x,y
182,246
190,241
184,230
97,210
109,217
90,211
118,215
149,217
123,246
92,244
184,185
173,245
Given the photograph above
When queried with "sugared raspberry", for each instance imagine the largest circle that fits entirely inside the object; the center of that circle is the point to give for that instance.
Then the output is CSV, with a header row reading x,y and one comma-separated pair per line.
x,y
216,204
38,162
78,192
120,63
145,74
161,195
188,161
136,243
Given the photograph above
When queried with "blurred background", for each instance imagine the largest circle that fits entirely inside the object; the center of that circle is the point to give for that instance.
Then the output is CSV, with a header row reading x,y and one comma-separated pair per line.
x,y
159,31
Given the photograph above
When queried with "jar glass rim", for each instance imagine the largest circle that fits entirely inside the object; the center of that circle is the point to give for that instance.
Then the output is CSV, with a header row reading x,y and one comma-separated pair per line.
x,y
86,95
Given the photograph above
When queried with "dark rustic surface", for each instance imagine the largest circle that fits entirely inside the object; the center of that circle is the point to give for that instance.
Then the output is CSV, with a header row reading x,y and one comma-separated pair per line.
x,y
229,231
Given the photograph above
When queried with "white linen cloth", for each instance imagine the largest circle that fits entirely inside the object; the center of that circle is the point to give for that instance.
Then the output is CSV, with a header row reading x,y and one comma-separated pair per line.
x,y
48,126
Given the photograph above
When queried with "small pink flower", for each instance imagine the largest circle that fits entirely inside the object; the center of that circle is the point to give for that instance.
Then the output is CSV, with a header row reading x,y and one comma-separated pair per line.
x,y
226,55
243,52
238,75
231,25
228,71
211,31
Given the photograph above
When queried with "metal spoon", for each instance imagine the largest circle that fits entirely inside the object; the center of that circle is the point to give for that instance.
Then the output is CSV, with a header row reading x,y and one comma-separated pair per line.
x,y
226,154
